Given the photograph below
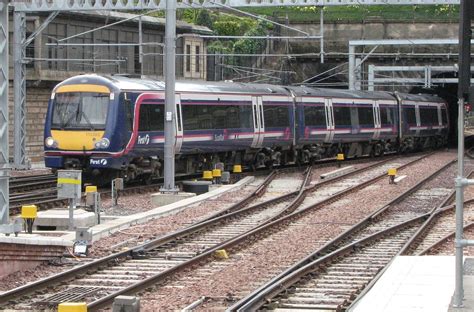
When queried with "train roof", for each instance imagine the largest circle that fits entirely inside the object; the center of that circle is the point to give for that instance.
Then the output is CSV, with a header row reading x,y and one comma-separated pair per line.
x,y
341,93
419,97
126,83
118,83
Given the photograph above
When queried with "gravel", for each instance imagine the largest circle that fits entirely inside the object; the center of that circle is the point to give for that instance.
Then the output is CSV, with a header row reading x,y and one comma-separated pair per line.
x,y
226,281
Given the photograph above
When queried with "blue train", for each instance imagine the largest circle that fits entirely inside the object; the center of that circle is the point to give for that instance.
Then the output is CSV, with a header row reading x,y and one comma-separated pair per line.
x,y
111,126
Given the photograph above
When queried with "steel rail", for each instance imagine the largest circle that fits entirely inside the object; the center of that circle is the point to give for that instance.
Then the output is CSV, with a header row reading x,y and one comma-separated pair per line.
x,y
425,226
70,274
96,264
329,247
231,243
107,300
443,240
296,275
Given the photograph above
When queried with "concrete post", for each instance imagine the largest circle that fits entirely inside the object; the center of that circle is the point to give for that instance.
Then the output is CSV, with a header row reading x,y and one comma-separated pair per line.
x,y
126,304
170,101
351,67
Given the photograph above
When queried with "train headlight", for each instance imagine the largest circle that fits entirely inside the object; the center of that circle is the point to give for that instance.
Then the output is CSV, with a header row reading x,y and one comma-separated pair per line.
x,y
50,142
102,143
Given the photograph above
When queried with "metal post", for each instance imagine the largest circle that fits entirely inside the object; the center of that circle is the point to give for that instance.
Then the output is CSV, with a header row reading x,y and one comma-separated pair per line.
x,y
4,170
72,205
370,78
140,47
321,40
463,89
459,289
170,109
351,67
19,89
358,74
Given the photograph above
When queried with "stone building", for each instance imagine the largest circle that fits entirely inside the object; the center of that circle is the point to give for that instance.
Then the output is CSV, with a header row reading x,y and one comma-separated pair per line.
x,y
49,62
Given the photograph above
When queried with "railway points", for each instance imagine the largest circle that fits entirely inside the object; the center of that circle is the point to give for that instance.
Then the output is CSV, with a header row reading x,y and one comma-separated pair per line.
x,y
335,194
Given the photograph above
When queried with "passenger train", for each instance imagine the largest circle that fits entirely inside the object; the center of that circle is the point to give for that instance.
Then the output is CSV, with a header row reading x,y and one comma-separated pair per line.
x,y
113,126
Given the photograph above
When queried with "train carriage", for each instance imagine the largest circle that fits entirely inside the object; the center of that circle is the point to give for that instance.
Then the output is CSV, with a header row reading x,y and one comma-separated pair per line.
x,y
426,121
352,122
112,126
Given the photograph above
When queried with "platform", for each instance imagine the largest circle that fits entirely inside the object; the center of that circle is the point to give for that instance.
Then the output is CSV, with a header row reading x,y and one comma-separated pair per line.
x,y
418,283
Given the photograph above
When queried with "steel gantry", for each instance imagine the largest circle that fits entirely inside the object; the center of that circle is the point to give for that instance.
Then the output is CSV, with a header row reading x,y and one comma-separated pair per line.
x,y
4,173
22,7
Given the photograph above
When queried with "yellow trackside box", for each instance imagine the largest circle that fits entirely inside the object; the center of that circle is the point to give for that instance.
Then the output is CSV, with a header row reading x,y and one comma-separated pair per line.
x,y
216,173
91,189
29,212
72,307
392,172
340,157
222,254
237,169
207,175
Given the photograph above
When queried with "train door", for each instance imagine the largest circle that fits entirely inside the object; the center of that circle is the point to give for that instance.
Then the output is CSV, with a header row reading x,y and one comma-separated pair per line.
x,y
418,119
178,125
330,127
258,122
377,123
440,118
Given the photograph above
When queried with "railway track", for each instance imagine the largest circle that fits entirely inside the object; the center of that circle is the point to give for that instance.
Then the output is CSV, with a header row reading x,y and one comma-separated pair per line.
x,y
120,273
332,293
438,229
170,254
38,189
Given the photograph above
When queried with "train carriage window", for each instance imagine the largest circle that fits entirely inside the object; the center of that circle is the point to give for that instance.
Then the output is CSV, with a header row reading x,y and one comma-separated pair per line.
x,y
151,117
207,117
275,116
429,115
386,116
314,116
342,116
246,116
232,117
410,115
444,116
366,116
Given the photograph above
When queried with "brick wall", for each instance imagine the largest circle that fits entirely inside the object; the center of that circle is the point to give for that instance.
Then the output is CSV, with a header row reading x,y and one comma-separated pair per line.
x,y
36,107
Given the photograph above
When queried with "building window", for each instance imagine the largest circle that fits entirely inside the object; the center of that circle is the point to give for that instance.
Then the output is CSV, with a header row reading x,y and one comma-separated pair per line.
x,y
188,58
198,56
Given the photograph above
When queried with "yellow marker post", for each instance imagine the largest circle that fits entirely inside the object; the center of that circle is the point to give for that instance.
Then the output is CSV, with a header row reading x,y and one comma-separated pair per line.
x,y
216,175
207,175
222,254
29,214
237,169
339,158
392,172
91,189
72,307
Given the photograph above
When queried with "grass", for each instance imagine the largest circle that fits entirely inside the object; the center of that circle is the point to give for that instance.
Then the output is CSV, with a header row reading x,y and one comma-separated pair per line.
x,y
402,13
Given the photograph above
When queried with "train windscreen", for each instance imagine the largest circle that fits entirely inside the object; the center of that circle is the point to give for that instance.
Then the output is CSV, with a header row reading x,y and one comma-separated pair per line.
x,y
80,110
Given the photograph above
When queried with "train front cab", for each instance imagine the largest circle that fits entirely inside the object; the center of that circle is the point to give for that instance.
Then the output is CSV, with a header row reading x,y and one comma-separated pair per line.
x,y
80,126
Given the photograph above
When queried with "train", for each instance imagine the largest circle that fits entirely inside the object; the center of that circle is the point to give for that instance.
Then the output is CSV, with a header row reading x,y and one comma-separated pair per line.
x,y
113,126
